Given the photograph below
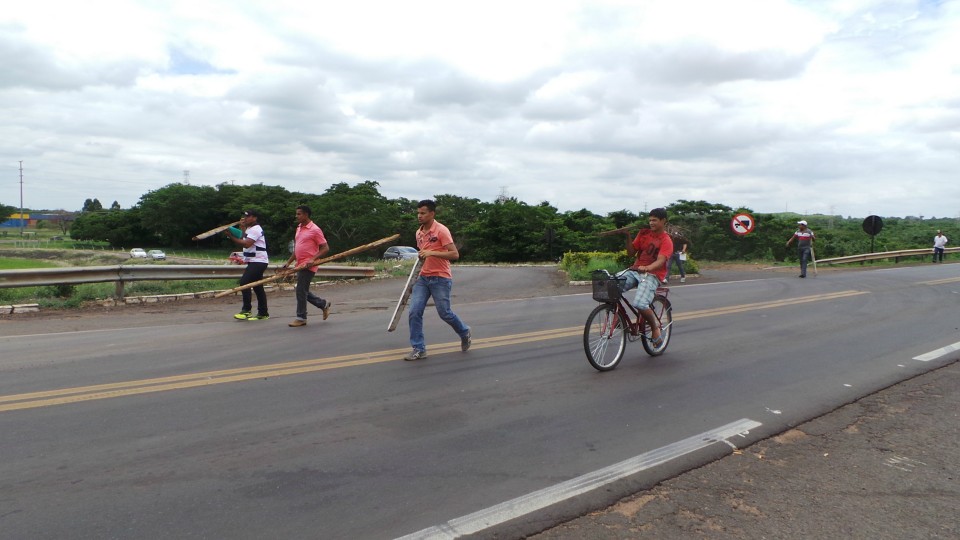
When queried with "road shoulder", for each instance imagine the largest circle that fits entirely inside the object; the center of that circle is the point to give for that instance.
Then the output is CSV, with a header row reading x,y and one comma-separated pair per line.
x,y
885,466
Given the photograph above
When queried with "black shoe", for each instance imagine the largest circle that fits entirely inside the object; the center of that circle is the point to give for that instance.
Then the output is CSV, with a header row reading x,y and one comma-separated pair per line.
x,y
465,342
803,275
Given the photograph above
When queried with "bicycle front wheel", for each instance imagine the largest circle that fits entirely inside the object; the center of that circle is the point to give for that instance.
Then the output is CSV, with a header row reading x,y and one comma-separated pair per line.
x,y
664,312
604,337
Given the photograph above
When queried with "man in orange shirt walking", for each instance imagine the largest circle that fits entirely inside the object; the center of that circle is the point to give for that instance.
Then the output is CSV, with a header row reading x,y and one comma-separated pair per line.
x,y
309,243
437,250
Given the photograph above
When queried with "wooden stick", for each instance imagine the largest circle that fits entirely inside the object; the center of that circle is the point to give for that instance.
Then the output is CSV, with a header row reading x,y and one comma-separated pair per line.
x,y
316,261
813,257
616,231
212,232
669,229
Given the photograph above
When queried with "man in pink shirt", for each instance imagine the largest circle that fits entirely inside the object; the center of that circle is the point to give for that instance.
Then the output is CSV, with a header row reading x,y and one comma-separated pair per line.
x,y
309,244
437,250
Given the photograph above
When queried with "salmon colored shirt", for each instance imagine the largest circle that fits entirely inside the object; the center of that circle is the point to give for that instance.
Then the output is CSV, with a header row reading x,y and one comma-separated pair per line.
x,y
307,243
434,239
649,246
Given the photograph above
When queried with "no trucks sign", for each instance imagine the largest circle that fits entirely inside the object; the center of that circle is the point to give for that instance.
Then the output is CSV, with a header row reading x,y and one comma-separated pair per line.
x,y
742,224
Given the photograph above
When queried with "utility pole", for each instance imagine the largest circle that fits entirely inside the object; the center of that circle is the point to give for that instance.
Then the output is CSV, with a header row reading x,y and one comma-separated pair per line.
x,y
21,198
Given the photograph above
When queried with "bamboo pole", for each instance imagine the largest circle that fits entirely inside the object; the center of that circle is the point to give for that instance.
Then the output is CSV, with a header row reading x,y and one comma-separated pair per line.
x,y
316,261
212,232
670,229
615,231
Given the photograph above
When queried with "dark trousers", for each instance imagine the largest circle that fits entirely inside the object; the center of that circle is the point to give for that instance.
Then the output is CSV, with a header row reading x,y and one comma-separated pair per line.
x,y
804,254
937,254
304,277
254,272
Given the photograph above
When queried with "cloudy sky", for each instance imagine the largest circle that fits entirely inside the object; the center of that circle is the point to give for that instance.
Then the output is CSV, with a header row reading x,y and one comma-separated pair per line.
x,y
849,107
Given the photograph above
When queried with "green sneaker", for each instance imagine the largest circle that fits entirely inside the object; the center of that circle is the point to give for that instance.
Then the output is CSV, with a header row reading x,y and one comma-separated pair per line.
x,y
242,316
258,317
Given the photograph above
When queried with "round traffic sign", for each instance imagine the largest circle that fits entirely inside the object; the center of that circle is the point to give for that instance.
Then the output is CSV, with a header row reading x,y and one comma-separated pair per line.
x,y
742,224
872,225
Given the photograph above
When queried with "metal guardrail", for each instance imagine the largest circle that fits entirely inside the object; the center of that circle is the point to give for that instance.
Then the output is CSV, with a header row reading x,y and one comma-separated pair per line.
x,y
895,255
122,274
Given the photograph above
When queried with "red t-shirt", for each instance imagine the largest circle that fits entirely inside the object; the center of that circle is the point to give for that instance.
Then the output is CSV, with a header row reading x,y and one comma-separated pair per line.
x,y
649,246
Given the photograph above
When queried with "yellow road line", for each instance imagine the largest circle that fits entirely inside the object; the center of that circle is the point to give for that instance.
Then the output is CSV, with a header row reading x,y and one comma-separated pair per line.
x,y
193,380
940,281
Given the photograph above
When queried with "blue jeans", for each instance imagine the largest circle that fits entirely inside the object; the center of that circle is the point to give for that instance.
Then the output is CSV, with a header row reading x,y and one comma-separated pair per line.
x,y
675,258
439,288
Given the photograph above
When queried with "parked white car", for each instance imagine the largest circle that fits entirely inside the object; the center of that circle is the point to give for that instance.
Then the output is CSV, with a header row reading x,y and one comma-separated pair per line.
x,y
138,253
157,255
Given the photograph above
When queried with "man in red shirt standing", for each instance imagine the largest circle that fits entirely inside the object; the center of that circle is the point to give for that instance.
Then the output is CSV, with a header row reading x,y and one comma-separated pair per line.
x,y
309,244
652,247
437,250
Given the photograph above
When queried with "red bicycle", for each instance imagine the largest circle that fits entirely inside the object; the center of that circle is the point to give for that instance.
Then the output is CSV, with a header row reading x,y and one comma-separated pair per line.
x,y
615,321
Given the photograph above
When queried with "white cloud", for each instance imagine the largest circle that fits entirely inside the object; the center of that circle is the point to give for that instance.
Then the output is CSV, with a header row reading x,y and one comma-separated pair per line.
x,y
847,106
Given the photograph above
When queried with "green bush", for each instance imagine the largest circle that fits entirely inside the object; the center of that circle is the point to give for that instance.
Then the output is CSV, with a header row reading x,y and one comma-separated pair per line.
x,y
579,265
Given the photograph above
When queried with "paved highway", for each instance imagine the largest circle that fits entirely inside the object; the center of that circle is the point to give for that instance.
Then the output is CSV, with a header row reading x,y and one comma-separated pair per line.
x,y
206,429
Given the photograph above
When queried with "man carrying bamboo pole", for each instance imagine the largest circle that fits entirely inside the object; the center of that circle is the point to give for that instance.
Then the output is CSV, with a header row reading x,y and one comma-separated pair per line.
x,y
436,248
254,244
309,244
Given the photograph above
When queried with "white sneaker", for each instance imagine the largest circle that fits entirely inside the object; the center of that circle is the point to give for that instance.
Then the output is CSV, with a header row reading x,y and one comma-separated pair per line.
x,y
683,280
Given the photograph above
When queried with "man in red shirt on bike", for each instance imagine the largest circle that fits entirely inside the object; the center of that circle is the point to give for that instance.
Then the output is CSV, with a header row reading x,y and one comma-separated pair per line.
x,y
652,248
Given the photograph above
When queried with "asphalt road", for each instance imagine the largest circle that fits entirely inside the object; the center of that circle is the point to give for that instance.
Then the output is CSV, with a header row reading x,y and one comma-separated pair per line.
x,y
195,426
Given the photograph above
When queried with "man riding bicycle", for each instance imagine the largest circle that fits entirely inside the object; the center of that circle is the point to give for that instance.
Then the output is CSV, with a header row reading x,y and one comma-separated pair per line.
x,y
652,247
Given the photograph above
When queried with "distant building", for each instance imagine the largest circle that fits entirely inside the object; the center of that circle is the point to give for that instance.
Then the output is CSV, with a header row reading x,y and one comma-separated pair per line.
x,y
31,220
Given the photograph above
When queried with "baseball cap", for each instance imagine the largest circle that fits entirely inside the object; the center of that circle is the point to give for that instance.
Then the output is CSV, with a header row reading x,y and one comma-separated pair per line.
x,y
251,212
801,222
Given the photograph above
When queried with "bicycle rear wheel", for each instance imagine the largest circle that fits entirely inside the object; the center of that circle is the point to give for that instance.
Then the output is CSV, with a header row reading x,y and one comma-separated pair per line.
x,y
664,312
604,337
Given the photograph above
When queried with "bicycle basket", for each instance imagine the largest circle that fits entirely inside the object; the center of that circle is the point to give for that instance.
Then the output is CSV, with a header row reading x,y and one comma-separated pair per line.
x,y
607,289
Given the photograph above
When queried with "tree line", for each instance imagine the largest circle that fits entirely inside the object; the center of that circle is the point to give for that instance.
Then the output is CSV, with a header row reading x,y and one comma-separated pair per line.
x,y
506,230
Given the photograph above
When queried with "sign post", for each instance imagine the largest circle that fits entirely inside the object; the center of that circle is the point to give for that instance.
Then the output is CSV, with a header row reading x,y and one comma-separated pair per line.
x,y
872,226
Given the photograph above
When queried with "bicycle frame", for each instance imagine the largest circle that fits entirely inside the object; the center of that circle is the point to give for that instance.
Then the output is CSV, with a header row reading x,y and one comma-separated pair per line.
x,y
637,323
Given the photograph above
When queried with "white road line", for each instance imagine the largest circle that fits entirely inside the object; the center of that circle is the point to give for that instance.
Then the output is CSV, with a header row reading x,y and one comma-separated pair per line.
x,y
942,351
543,498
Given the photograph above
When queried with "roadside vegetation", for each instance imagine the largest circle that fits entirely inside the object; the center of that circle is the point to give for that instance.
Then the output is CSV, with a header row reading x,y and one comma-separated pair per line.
x,y
504,231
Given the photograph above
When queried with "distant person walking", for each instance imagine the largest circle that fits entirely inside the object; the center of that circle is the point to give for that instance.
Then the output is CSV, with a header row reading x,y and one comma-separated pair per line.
x,y
309,243
254,244
939,242
679,255
805,239
437,250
